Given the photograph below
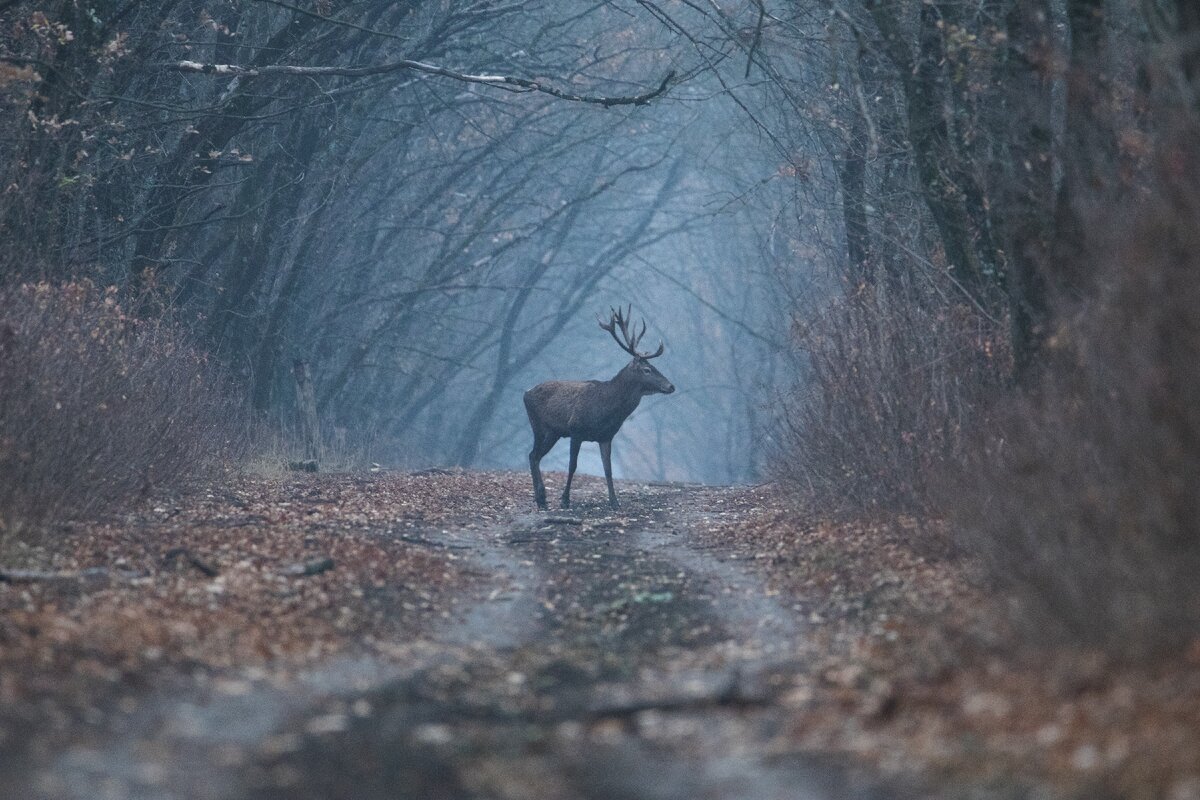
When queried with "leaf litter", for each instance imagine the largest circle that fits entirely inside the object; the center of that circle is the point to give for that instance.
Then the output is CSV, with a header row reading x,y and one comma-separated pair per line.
x,y
902,663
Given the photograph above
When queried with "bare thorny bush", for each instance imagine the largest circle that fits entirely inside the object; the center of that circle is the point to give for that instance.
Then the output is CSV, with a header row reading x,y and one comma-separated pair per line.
x,y
98,407
1076,491
1083,502
891,395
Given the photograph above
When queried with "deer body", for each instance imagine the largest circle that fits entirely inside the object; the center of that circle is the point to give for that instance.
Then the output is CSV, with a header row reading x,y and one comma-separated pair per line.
x,y
590,411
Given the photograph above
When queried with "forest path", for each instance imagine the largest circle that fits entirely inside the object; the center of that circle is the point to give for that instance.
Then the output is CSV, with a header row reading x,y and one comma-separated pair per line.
x,y
601,654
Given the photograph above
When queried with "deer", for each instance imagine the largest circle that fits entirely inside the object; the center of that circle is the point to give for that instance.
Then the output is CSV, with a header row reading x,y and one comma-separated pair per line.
x,y
592,411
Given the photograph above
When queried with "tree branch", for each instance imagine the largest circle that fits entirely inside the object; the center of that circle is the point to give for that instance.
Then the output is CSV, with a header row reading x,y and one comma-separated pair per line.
x,y
507,82
345,24
758,29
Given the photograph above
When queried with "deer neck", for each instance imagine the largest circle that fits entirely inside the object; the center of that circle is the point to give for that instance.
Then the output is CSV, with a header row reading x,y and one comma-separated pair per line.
x,y
625,391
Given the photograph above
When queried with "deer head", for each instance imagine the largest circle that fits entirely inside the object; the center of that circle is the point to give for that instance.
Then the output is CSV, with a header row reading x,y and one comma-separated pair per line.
x,y
639,371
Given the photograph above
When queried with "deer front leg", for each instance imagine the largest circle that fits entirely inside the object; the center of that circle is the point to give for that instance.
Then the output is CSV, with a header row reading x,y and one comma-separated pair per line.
x,y
566,497
541,446
606,457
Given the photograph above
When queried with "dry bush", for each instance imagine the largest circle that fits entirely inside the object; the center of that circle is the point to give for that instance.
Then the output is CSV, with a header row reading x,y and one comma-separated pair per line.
x,y
1085,502
96,407
890,395
275,448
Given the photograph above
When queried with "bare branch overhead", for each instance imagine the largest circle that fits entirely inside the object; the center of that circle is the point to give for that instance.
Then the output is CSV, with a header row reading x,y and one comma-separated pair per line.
x,y
508,82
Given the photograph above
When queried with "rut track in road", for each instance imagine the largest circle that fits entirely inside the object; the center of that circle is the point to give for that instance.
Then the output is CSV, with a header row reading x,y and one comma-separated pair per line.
x,y
608,658
603,655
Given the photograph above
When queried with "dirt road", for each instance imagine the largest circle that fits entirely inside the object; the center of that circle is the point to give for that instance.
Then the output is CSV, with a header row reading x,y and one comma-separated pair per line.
x,y
595,654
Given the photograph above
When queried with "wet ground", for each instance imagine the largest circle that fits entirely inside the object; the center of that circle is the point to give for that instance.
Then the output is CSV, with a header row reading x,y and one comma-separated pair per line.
x,y
601,654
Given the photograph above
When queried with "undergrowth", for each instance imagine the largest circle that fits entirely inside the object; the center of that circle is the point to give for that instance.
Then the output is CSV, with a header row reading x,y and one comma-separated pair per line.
x,y
99,407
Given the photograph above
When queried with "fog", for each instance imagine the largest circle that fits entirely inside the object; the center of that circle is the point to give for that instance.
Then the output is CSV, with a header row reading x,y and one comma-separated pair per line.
x,y
434,238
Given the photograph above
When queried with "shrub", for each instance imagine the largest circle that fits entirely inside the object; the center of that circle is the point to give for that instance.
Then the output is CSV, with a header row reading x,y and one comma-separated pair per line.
x,y
890,396
97,407
1084,503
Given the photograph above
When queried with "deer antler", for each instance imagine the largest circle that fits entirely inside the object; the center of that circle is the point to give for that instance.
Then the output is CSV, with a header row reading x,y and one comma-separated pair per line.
x,y
620,320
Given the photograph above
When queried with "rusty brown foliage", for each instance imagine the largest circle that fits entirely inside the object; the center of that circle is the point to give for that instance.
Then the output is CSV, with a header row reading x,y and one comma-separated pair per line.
x,y
99,407
891,396
1083,502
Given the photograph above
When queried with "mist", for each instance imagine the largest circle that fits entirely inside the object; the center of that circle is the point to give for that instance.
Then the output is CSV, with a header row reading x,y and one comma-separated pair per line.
x,y
432,244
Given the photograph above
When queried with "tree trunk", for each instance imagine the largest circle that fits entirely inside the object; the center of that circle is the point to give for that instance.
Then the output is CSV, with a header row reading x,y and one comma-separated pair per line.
x,y
852,173
192,165
1028,174
306,412
1090,150
943,182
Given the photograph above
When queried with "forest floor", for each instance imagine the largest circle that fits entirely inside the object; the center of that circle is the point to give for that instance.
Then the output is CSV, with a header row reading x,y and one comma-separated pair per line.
x,y
428,636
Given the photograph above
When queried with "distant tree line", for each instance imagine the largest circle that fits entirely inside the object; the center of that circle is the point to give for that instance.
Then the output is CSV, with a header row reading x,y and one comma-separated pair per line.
x,y
1013,349
923,255
418,198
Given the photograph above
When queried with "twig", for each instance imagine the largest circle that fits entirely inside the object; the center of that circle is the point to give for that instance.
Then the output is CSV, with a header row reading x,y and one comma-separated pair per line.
x,y
421,540
192,560
36,576
344,23
41,576
729,698
421,473
758,29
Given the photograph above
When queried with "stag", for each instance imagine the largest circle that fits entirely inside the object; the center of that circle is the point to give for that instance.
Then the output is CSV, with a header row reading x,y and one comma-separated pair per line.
x,y
592,411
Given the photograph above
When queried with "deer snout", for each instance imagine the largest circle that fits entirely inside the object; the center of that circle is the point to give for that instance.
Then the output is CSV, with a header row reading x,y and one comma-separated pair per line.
x,y
670,387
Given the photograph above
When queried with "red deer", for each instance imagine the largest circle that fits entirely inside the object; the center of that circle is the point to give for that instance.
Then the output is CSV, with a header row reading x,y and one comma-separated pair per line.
x,y
591,411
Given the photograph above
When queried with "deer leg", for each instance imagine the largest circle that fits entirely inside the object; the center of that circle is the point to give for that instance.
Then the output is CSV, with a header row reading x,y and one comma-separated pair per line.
x,y
566,498
541,446
606,457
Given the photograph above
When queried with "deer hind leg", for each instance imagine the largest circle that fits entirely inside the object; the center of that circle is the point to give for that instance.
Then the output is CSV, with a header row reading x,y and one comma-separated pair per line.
x,y
541,445
606,457
566,498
